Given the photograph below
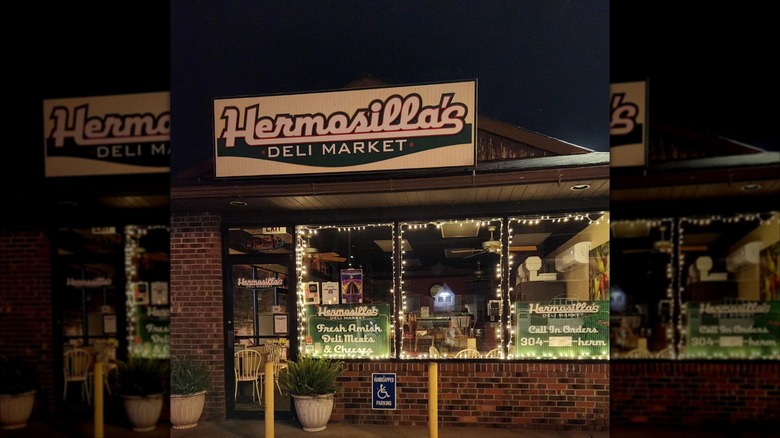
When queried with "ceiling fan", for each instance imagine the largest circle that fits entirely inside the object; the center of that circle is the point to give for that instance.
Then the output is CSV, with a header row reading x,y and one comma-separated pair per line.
x,y
312,253
489,246
663,245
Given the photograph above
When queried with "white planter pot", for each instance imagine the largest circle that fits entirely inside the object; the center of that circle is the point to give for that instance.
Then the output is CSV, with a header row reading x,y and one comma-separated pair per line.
x,y
15,409
186,409
143,411
313,412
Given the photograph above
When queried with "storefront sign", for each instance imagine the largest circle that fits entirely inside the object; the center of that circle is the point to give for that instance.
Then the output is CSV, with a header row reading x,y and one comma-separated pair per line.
x,y
361,330
552,330
628,124
745,329
383,391
107,135
376,129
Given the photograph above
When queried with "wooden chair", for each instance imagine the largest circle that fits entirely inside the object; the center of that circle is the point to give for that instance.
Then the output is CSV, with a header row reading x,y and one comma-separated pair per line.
x,y
275,354
76,366
495,353
248,366
468,353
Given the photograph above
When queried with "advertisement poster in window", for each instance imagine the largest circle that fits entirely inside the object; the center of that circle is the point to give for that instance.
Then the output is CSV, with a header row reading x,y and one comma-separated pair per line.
x,y
141,295
159,293
351,286
348,330
312,293
330,292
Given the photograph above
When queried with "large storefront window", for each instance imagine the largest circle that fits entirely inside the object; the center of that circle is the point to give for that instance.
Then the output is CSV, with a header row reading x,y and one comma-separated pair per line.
x,y
559,299
147,262
451,281
696,288
728,284
642,301
346,290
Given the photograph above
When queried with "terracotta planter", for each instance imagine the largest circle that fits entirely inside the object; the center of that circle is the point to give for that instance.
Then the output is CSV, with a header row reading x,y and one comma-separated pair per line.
x,y
186,409
15,409
313,412
143,411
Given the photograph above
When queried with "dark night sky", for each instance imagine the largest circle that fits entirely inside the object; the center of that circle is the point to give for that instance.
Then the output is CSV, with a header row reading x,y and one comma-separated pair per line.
x,y
711,67
542,66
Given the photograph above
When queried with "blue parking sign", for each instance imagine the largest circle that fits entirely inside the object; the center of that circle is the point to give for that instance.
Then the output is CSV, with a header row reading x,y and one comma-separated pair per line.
x,y
383,391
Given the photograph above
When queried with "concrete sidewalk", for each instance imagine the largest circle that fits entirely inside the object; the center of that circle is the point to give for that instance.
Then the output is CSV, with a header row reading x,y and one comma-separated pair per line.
x,y
256,428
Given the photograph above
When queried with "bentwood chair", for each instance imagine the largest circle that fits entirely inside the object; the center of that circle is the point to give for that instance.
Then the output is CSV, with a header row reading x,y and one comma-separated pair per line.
x,y
495,353
248,366
468,353
76,367
433,352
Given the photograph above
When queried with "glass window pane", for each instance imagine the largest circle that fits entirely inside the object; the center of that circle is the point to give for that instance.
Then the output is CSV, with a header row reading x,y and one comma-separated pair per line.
x,y
451,280
728,282
559,295
346,290
642,301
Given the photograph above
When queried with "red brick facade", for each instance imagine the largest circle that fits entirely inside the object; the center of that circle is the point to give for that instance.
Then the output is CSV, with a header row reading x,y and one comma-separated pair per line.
x,y
26,307
196,300
696,394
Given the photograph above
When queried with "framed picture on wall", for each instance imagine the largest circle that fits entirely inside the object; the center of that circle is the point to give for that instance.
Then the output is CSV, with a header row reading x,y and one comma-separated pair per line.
x,y
160,293
109,323
280,324
312,293
141,293
330,292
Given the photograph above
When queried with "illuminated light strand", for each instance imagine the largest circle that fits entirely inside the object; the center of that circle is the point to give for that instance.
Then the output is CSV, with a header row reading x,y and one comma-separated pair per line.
x,y
303,234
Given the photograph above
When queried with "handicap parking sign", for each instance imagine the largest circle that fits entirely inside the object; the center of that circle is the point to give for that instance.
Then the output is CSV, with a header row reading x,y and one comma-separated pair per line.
x,y
383,391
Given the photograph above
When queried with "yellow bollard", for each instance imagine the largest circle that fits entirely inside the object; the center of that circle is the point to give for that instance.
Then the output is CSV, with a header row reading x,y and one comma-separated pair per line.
x,y
97,399
268,390
433,400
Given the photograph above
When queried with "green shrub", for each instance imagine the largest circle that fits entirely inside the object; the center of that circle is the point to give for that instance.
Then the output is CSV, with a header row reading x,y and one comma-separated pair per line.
x,y
188,376
311,376
16,376
142,376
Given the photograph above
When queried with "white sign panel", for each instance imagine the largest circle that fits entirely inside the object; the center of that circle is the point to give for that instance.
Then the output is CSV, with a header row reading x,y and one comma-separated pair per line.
x,y
107,135
375,129
628,124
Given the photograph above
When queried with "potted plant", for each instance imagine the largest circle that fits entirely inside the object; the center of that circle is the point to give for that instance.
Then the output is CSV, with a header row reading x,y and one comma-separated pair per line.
x,y
18,383
190,380
312,383
142,383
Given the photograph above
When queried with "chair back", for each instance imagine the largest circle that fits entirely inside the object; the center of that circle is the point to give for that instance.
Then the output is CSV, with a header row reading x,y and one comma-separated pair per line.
x,y
248,364
495,353
468,353
76,364
433,351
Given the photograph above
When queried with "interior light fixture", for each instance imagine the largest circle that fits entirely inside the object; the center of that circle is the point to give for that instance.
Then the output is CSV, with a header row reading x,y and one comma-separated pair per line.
x,y
238,203
751,187
579,187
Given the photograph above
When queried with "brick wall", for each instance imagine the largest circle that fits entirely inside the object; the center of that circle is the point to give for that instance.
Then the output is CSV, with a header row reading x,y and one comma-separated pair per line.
x,y
744,394
196,300
516,395
26,307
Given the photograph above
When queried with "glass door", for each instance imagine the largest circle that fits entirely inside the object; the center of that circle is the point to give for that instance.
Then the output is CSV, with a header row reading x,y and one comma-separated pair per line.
x,y
259,319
